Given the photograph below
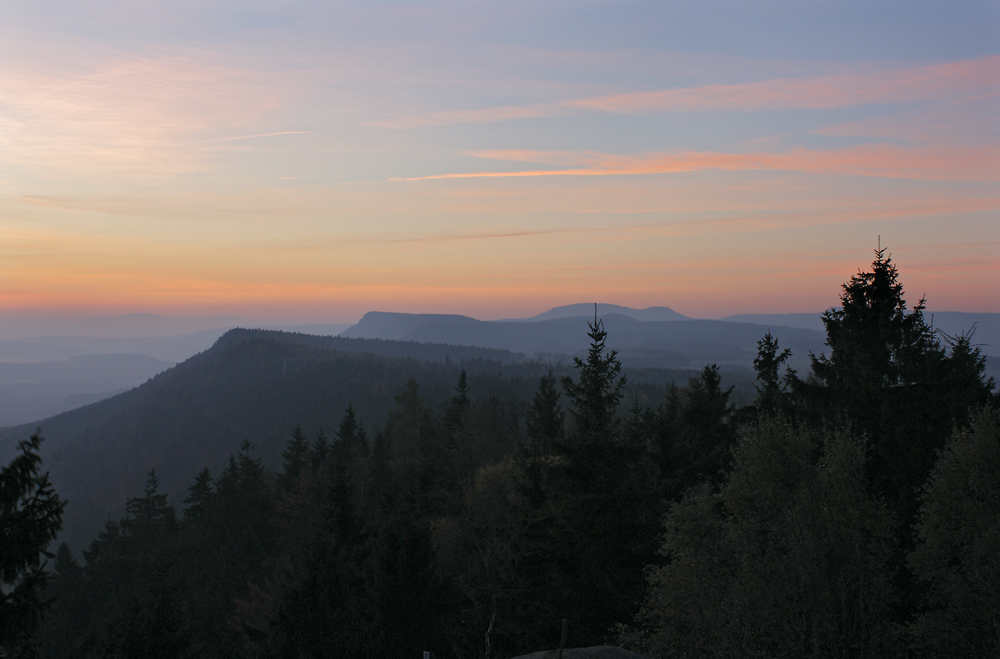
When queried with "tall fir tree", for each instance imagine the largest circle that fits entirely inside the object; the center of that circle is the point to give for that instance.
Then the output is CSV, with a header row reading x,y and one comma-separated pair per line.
x,y
199,496
889,376
771,387
30,518
599,516
296,458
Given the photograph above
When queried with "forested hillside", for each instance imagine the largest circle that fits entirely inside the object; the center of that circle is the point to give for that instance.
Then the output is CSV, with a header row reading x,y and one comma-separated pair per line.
x,y
257,385
851,511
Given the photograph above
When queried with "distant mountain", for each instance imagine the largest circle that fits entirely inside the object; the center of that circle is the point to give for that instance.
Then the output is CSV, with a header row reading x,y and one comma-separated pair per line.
x,y
658,344
586,310
811,321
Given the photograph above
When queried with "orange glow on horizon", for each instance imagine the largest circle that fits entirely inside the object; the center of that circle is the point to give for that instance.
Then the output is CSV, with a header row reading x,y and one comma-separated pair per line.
x,y
318,169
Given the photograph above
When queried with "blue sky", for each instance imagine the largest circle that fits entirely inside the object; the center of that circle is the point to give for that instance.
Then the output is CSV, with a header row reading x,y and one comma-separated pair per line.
x,y
313,161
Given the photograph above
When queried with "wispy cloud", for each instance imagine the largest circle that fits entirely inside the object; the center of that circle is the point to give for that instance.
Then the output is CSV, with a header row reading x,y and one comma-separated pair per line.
x,y
251,137
132,115
970,119
928,163
818,92
774,221
829,91
484,115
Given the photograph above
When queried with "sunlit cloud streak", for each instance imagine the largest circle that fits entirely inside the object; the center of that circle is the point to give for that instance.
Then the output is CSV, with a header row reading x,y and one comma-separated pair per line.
x,y
818,92
251,137
724,225
939,163
826,92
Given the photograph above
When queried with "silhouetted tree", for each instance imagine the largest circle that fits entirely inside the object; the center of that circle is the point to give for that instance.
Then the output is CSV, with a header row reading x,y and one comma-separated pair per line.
x,y
30,518
458,404
199,495
888,374
771,394
594,525
296,458
319,450
150,515
595,394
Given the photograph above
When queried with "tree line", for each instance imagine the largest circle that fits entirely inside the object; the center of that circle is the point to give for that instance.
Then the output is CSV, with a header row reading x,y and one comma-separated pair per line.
x,y
853,512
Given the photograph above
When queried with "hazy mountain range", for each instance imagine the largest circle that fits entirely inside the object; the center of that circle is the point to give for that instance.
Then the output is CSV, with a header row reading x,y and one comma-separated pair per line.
x,y
258,384
51,365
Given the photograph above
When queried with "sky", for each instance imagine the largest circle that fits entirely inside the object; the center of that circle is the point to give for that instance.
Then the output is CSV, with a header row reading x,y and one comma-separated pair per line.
x,y
311,161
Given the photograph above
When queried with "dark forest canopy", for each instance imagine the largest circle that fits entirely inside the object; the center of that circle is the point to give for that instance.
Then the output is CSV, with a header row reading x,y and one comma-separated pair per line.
x,y
258,384
487,504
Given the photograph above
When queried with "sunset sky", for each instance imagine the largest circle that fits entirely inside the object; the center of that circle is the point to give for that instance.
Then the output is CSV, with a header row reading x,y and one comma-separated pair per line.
x,y
311,161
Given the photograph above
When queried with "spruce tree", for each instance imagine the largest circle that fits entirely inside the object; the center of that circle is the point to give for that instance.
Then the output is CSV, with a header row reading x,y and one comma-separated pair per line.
x,y
771,394
888,375
457,405
596,524
595,394
30,518
545,416
296,458
149,514
319,450
199,495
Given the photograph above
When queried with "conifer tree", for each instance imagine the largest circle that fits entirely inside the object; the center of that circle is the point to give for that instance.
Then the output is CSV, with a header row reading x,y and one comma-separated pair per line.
x,y
595,394
199,495
150,513
598,517
319,450
770,386
296,458
30,518
545,416
889,376
342,492
458,404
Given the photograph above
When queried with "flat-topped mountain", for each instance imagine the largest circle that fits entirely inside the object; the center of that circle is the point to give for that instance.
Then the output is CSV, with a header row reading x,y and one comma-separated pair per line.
x,y
586,310
653,337
687,343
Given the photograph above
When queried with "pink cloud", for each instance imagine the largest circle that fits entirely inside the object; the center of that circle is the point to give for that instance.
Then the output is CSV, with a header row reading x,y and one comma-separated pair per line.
x,y
132,115
485,115
767,221
971,163
967,120
923,83
830,91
